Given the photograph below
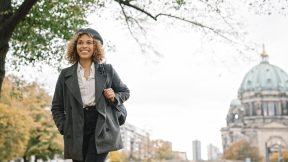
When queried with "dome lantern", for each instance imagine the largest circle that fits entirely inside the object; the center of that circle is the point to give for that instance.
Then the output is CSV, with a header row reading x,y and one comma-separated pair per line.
x,y
264,55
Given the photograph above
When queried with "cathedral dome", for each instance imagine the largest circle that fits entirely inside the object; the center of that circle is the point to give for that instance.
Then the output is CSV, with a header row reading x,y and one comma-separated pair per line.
x,y
265,76
235,103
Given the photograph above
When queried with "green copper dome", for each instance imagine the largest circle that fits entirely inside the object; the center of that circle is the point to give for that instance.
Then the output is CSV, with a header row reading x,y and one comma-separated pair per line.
x,y
265,76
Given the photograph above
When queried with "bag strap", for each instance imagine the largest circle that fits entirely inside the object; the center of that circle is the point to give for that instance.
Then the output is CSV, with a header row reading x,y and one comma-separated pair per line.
x,y
121,108
107,68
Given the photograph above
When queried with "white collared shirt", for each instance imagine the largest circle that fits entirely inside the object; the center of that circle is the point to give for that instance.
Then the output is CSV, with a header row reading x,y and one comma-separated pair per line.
x,y
87,87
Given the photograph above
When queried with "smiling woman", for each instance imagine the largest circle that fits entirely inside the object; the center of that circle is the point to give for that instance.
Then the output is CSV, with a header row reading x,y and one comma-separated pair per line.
x,y
86,99
85,47
88,37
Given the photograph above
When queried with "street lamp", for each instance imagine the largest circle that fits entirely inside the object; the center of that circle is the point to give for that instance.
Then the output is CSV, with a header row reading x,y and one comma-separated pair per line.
x,y
131,149
279,152
267,152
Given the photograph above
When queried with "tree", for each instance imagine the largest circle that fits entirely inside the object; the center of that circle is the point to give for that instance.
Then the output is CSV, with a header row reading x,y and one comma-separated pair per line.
x,y
14,134
118,156
44,141
275,155
162,150
240,150
269,7
36,30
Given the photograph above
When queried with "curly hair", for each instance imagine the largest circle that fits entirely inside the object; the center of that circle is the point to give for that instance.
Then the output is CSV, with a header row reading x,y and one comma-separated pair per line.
x,y
73,57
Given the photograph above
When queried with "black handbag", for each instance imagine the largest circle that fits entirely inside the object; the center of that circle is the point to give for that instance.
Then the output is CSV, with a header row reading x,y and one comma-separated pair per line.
x,y
120,108
122,115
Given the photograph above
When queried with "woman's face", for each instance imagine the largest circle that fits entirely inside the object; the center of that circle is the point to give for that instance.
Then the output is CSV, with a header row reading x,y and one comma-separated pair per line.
x,y
85,47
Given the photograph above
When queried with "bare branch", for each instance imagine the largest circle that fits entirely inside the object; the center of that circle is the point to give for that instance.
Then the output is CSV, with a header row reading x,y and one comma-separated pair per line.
x,y
127,3
218,32
129,27
129,20
217,10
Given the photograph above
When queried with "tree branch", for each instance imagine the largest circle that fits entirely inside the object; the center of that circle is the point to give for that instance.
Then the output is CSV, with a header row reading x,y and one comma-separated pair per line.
x,y
127,3
130,19
128,25
217,10
5,10
17,17
195,23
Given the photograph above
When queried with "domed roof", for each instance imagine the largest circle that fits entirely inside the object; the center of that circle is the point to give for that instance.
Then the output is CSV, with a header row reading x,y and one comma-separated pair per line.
x,y
265,76
235,102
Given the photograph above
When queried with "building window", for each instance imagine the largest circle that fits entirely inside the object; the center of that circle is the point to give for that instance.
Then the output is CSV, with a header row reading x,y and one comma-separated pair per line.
x,y
278,108
265,108
271,109
250,109
284,106
254,108
258,108
246,109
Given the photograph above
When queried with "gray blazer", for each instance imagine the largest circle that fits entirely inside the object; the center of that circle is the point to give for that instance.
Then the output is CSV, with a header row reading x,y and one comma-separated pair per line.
x,y
67,110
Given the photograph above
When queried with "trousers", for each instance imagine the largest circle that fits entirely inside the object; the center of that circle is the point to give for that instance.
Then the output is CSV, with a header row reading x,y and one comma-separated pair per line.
x,y
89,147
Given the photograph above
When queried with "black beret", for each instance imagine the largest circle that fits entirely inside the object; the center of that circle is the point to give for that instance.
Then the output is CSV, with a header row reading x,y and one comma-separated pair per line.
x,y
91,32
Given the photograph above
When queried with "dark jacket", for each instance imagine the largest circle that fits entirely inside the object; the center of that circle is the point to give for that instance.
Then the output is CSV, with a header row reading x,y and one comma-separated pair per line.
x,y
67,110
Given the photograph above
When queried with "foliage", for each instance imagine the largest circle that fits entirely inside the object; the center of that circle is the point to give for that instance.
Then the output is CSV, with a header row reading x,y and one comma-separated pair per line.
x,y
274,156
37,30
15,125
162,149
268,7
50,23
240,150
44,140
46,27
118,156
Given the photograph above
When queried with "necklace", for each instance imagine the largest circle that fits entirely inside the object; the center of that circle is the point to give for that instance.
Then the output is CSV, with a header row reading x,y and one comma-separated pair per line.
x,y
87,73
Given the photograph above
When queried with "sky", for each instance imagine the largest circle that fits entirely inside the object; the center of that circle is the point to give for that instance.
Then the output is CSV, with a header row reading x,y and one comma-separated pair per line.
x,y
185,94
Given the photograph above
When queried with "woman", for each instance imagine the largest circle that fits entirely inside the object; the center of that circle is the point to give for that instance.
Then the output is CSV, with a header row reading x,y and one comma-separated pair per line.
x,y
85,100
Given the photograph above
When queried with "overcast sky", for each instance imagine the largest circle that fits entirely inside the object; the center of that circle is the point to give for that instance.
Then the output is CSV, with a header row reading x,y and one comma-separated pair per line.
x,y
185,95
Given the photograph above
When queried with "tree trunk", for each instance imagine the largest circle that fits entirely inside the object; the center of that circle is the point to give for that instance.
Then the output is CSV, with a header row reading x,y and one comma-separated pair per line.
x,y
3,52
25,159
9,19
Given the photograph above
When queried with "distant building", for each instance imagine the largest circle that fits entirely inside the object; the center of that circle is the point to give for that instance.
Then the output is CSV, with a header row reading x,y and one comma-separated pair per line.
x,y
181,156
139,147
136,141
196,148
213,152
260,114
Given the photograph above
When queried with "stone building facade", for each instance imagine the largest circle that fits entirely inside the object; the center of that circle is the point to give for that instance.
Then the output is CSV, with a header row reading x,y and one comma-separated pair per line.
x,y
260,114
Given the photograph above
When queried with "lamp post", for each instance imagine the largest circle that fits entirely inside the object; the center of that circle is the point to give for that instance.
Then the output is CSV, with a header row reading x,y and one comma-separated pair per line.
x,y
131,149
279,152
267,152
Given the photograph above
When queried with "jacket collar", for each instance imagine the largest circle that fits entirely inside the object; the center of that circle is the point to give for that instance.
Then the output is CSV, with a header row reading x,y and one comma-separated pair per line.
x,y
71,80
